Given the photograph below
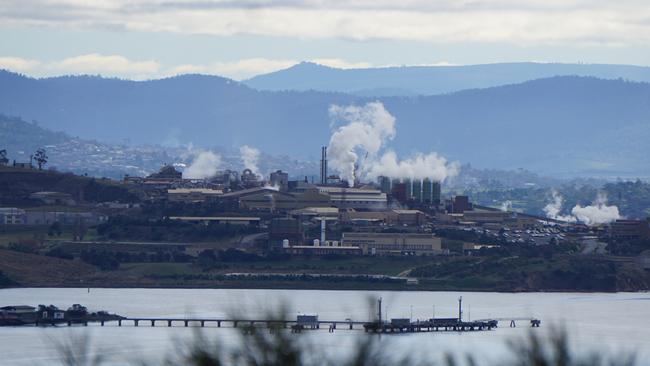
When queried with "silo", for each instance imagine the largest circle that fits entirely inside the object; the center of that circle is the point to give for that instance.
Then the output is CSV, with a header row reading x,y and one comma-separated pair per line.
x,y
427,191
436,193
417,190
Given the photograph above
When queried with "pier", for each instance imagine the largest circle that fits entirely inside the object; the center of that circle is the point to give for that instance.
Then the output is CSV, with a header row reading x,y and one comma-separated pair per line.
x,y
78,315
236,323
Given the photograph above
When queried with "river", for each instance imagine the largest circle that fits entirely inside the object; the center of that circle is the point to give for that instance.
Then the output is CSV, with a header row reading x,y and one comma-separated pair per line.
x,y
611,323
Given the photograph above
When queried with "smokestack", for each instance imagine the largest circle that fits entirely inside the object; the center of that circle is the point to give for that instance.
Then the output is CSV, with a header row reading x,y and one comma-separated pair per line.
x,y
323,166
322,230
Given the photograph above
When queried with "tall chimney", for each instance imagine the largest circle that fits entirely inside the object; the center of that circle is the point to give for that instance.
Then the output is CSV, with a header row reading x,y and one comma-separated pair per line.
x,y
323,166
322,230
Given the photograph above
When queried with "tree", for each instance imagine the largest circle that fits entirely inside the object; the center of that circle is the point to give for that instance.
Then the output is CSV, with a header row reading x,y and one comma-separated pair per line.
x,y
55,229
79,230
3,157
41,158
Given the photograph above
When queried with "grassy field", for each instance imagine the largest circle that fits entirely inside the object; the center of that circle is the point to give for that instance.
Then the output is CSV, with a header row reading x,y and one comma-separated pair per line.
x,y
16,234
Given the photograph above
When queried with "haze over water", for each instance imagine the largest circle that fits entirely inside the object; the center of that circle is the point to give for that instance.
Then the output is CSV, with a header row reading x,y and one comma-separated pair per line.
x,y
595,321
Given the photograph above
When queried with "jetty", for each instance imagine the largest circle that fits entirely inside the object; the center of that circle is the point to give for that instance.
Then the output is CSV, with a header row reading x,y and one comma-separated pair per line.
x,y
79,315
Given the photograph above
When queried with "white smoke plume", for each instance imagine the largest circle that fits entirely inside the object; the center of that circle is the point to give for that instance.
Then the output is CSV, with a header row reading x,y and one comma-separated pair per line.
x,y
204,165
420,166
554,208
597,213
367,129
366,132
506,206
250,156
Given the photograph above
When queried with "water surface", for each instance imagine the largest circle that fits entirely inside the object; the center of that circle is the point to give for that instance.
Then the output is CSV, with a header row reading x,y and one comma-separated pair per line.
x,y
612,323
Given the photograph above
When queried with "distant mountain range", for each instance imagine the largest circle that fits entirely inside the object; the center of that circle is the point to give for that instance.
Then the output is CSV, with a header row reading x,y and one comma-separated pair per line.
x,y
430,80
560,126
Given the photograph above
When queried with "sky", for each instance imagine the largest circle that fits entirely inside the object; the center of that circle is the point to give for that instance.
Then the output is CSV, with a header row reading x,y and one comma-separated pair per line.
x,y
147,39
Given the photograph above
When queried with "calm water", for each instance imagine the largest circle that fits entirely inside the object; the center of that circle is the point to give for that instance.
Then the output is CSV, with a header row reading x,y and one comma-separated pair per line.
x,y
611,322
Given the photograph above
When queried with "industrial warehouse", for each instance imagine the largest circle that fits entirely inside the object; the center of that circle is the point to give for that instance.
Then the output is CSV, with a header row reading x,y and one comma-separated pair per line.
x,y
393,216
248,216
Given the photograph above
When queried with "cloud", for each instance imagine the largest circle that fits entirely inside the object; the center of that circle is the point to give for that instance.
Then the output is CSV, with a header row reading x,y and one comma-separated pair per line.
x,y
512,21
94,64
18,64
342,64
120,66
110,65
246,68
239,69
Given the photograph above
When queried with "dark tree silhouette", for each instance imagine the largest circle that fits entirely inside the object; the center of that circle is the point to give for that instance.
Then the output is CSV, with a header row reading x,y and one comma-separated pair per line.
x,y
41,158
3,157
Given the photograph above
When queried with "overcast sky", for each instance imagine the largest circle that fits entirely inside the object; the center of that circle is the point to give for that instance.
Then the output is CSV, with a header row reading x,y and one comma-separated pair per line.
x,y
145,39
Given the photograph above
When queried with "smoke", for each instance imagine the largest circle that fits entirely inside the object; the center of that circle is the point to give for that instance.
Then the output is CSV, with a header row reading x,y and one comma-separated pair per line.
x,y
204,165
597,213
420,166
250,157
554,208
366,131
506,206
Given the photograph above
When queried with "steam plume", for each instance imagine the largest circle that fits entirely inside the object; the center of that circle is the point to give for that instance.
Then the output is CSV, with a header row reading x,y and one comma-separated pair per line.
x,y
597,213
506,206
250,156
366,131
420,166
554,208
204,165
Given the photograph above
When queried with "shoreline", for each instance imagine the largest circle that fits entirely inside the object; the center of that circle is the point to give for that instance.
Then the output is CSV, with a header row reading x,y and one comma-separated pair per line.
x,y
323,288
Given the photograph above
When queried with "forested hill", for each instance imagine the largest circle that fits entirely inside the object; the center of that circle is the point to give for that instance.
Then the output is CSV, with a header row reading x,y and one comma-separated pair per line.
x,y
557,125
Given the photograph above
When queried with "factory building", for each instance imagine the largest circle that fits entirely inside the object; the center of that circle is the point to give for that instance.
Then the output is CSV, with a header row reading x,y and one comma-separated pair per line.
x,y
12,216
193,195
459,204
280,179
356,198
249,179
392,217
418,190
320,250
268,199
281,229
630,229
394,243
167,172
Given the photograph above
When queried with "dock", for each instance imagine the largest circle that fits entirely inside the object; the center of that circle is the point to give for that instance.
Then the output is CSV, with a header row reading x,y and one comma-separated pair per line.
x,y
78,315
